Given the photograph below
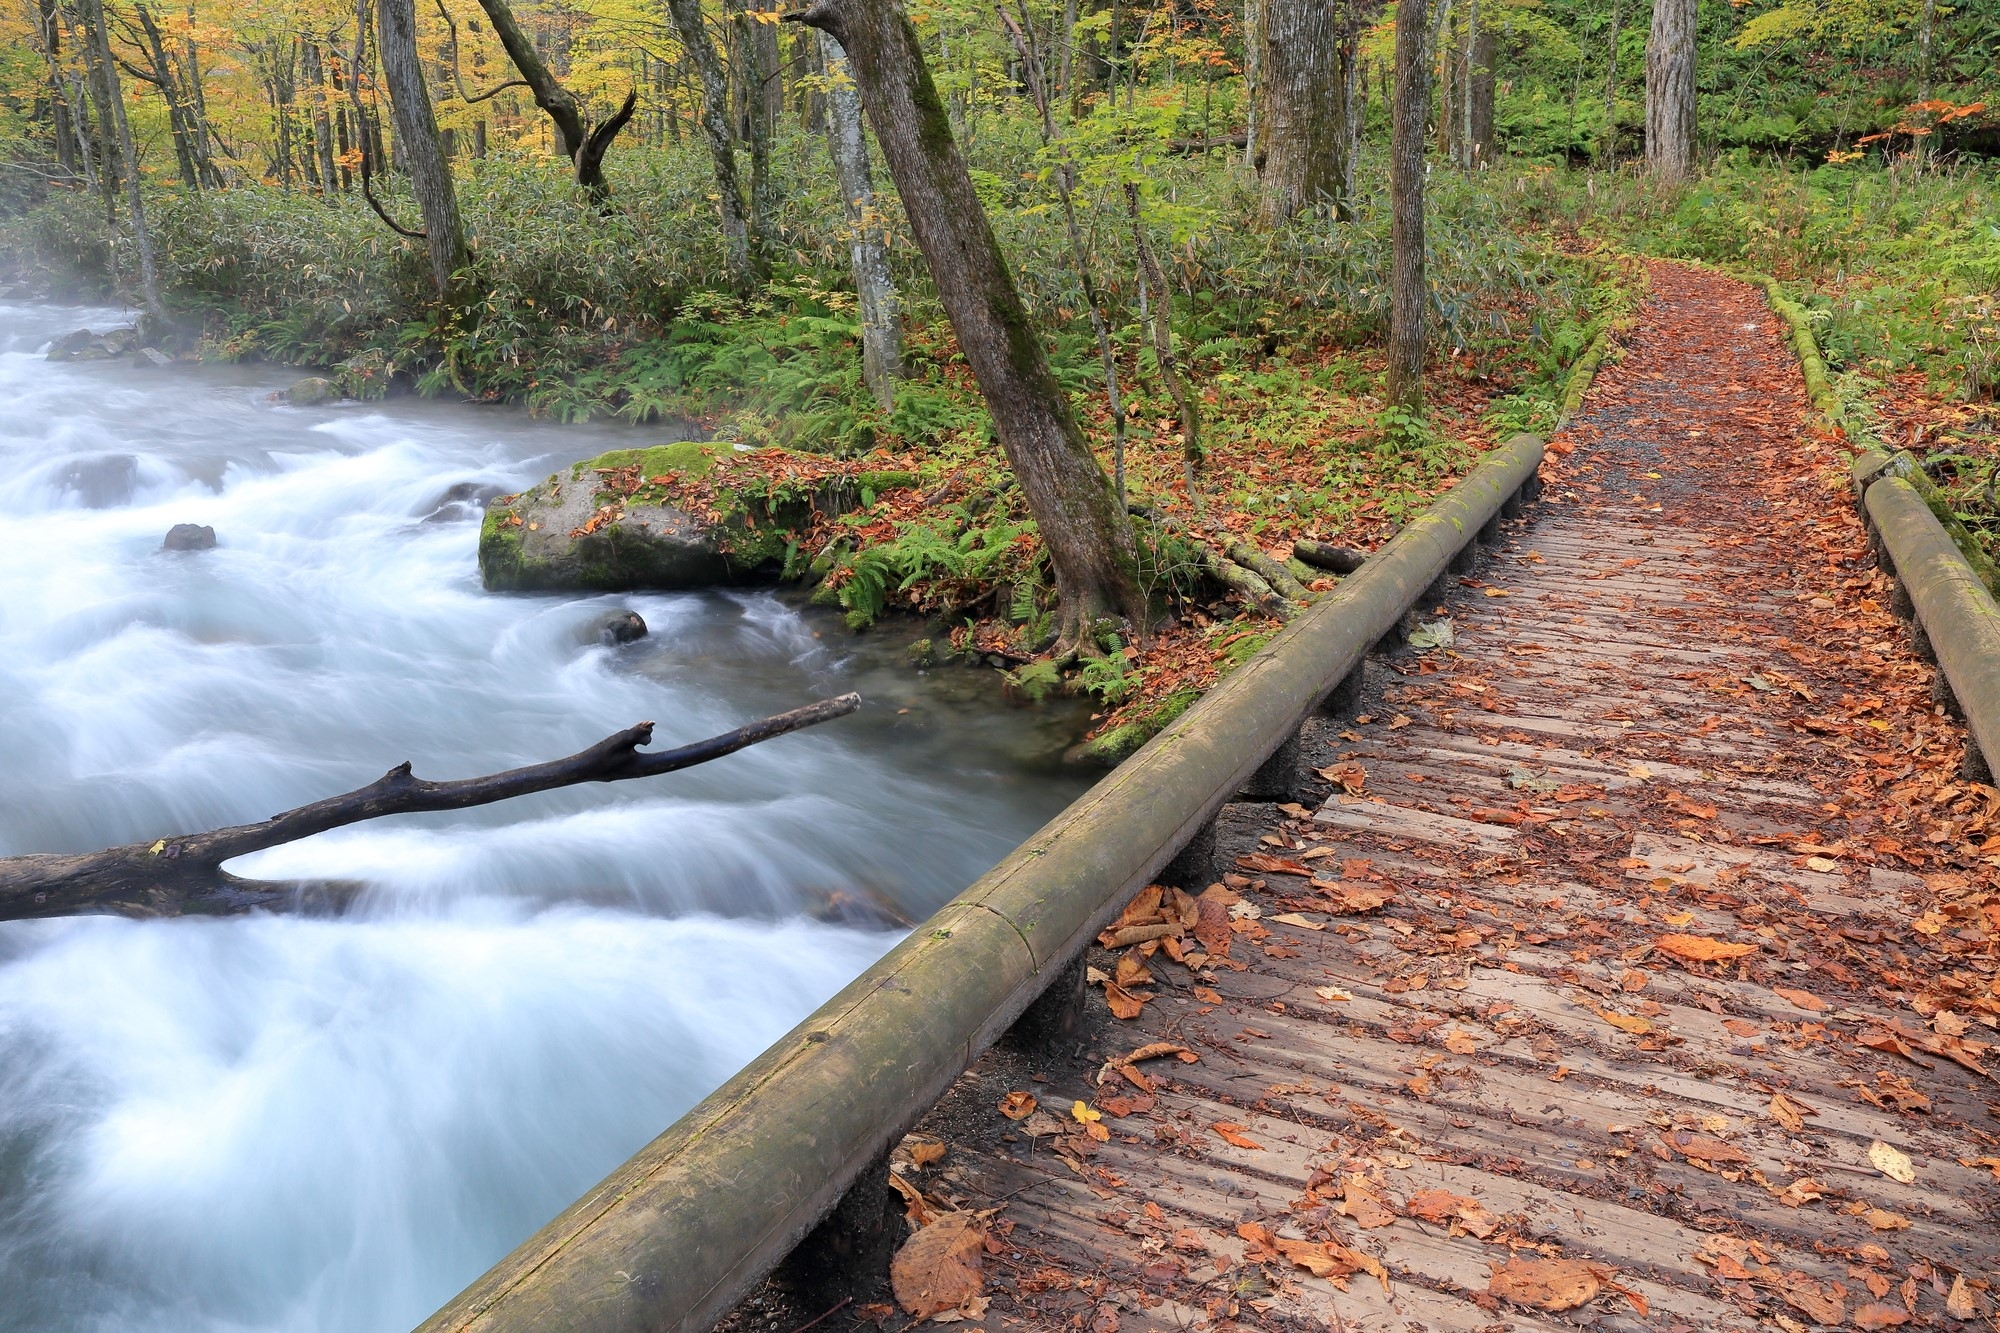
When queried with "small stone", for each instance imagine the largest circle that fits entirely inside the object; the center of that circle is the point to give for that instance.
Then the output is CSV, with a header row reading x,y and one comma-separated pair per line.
x,y
155,357
189,537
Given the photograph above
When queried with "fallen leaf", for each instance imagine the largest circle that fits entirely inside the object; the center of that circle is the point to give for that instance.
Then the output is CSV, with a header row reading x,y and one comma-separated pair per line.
x,y
1460,1043
1331,993
972,1309
1294,919
1352,897
1821,1304
1130,972
1545,1284
1259,863
1877,1315
938,1268
1363,1201
924,1151
1018,1105
1881,1219
1803,999
1234,1135
1700,948
1444,1207
1703,1148
1960,1304
1631,1023
1123,1003
1892,1162
1787,1112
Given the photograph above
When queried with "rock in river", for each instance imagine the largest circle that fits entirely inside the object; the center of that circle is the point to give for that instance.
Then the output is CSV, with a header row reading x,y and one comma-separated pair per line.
x,y
578,531
189,537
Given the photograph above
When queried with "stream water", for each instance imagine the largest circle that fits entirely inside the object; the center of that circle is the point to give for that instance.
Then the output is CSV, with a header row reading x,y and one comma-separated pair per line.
x,y
311,1122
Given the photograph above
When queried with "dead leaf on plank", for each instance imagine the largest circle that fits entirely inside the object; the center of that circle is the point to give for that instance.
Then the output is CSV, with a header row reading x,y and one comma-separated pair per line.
x,y
1294,919
1124,1004
939,1268
1546,1284
1363,1200
1261,864
923,1151
1460,1043
1234,1135
1352,897
1460,1213
1703,1147
1018,1105
1892,1162
1631,1023
1822,1304
1700,948
1960,1303
1789,1113
1802,999
1328,1259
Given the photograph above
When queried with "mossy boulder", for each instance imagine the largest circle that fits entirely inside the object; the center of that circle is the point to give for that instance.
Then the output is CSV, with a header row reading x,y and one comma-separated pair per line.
x,y
580,531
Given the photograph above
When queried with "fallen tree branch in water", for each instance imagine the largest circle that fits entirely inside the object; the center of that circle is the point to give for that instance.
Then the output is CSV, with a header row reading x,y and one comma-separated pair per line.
x,y
169,875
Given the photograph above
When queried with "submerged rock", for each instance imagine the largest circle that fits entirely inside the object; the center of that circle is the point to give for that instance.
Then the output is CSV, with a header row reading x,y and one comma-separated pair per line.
x,y
616,627
570,534
309,392
465,499
189,537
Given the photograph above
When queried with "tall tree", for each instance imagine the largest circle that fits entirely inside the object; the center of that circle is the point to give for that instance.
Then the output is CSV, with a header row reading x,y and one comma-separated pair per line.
x,y
1670,106
577,139
847,143
745,261
417,136
119,134
1409,290
1301,151
1082,523
1607,142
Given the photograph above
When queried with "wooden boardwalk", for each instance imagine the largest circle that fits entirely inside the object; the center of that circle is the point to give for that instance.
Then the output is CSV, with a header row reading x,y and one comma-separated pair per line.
x,y
1652,726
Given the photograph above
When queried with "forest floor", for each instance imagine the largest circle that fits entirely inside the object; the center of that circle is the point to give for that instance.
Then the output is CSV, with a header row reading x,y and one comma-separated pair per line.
x,y
1628,961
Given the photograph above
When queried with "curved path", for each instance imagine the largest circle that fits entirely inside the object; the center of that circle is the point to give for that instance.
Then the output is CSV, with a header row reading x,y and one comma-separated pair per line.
x,y
1675,709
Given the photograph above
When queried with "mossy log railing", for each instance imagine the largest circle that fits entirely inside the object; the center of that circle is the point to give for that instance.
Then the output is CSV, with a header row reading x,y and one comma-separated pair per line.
x,y
677,1235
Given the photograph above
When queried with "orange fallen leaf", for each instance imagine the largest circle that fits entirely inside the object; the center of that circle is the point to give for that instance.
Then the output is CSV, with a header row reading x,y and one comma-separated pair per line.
x,y
1234,1135
1703,1147
1443,1207
1262,864
1018,1105
939,1268
1123,1003
1877,1315
1546,1284
1631,1023
1364,1202
1700,948
1803,999
1789,1113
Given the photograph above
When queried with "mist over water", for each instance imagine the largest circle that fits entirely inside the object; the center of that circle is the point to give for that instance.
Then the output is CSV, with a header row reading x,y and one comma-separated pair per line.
x,y
332,1123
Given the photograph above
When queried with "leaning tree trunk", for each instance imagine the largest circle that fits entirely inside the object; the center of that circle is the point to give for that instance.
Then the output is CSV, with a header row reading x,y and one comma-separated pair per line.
x,y
1670,105
1409,293
417,132
120,134
744,260
1302,139
576,138
180,871
881,320
1086,530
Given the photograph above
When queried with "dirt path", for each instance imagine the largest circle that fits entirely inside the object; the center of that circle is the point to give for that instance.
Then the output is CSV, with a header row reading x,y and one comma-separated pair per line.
x,y
1676,720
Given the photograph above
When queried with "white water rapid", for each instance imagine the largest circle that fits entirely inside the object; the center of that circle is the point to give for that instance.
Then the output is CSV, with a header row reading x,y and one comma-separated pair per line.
x,y
321,1123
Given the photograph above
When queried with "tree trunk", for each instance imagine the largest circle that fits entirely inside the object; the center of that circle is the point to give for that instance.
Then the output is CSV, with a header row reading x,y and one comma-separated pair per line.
x,y
1481,140
881,320
1086,531
745,261
48,29
575,136
322,124
1409,292
1670,104
756,51
1607,144
417,133
101,79
1302,136
120,134
177,119
167,875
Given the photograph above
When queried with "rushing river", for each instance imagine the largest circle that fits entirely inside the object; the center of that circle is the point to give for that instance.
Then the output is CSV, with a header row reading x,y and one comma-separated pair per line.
x,y
310,1122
